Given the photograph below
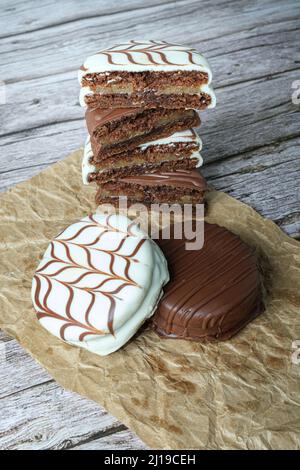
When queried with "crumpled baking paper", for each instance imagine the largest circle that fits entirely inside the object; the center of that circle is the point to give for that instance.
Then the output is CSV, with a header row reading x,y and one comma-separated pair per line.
x,y
239,394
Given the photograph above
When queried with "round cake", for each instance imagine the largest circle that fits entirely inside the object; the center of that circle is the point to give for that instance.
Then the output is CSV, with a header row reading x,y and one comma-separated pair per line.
x,y
98,281
214,291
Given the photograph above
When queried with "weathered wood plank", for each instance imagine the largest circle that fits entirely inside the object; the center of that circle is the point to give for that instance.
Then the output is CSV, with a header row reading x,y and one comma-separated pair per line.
x,y
40,102
255,104
281,168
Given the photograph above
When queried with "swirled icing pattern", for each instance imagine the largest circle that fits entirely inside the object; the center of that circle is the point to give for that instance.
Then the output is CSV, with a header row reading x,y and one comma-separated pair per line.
x,y
98,281
187,136
137,56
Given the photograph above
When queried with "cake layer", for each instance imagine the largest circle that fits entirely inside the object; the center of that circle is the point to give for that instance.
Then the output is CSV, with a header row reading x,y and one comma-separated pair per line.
x,y
180,150
147,74
117,130
214,291
180,186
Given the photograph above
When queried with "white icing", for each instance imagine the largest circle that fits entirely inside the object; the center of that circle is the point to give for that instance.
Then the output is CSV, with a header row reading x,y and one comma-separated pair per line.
x,y
188,135
181,136
93,264
142,53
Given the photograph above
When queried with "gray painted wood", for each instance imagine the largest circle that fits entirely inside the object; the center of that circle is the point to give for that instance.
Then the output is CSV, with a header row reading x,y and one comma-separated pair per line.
x,y
251,146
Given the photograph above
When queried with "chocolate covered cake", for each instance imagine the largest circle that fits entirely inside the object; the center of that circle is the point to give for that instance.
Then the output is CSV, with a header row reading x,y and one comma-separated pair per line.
x,y
146,74
119,130
180,186
214,291
179,151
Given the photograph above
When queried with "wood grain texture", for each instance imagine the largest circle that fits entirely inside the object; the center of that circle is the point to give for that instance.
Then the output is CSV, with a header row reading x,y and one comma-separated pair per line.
x,y
18,371
47,417
251,145
253,52
36,413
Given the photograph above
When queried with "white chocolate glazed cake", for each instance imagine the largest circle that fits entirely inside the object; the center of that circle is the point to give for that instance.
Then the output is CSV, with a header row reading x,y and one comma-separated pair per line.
x,y
98,281
180,148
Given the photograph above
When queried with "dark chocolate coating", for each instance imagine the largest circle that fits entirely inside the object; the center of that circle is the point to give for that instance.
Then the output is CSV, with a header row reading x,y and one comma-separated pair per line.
x,y
213,292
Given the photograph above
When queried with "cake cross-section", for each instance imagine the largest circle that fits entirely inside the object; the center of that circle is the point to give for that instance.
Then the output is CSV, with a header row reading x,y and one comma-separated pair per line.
x,y
161,187
117,130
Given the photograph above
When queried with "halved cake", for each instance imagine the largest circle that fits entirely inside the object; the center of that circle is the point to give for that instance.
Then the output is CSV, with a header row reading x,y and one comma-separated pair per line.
x,y
147,74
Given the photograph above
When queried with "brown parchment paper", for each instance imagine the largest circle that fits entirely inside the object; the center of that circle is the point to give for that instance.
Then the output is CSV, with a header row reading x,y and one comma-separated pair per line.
x,y
240,394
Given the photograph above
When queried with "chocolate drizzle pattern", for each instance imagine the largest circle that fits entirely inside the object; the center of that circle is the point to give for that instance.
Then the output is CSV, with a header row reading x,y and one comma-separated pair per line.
x,y
188,179
154,51
213,291
70,264
98,117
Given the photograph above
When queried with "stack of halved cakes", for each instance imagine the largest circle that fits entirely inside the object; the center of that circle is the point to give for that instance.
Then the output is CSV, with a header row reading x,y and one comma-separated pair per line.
x,y
142,99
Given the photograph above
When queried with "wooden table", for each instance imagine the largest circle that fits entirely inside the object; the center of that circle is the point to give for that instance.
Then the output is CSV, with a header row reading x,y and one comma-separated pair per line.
x,y
251,145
